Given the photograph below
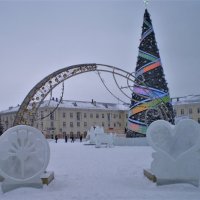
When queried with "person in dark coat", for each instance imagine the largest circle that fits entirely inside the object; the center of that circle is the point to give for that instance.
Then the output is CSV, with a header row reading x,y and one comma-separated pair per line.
x,y
72,138
56,138
81,137
66,138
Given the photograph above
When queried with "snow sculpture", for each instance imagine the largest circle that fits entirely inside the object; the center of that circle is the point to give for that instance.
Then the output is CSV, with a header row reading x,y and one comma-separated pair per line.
x,y
177,156
24,156
91,136
102,138
97,136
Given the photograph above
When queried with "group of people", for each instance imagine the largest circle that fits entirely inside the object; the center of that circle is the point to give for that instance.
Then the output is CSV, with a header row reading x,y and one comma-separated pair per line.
x,y
71,137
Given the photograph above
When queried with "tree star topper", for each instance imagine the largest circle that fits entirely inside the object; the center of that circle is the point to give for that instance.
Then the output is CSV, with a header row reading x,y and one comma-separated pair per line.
x,y
146,3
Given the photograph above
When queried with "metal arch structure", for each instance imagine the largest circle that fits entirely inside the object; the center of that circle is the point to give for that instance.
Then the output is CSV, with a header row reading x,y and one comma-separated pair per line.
x,y
29,107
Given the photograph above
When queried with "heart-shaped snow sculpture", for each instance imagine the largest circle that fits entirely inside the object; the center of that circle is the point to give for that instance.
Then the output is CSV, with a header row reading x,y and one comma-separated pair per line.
x,y
174,140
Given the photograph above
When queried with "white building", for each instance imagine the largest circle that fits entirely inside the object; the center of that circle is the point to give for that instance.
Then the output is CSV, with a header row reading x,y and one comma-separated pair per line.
x,y
74,117
187,107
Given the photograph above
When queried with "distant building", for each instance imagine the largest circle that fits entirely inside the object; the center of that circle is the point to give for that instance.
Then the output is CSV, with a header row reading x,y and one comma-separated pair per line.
x,y
187,107
74,117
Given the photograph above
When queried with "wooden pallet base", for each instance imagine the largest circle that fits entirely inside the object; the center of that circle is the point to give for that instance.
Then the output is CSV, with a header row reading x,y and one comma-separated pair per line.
x,y
150,175
47,177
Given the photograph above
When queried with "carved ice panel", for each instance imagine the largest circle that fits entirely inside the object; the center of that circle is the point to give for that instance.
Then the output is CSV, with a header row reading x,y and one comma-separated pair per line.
x,y
24,156
177,156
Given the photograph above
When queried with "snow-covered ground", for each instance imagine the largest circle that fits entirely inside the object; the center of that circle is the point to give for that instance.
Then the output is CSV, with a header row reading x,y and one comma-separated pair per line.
x,y
89,173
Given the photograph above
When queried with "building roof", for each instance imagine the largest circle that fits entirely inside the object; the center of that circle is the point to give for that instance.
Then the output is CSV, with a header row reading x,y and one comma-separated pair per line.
x,y
76,104
10,109
190,99
86,105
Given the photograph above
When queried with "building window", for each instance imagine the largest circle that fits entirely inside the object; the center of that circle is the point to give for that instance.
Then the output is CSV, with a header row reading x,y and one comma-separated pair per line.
x,y
52,125
64,124
64,115
103,124
78,124
71,124
78,116
85,115
85,124
64,134
91,115
108,115
126,115
175,112
114,125
71,115
97,115
42,114
78,134
52,116
198,110
182,111
41,125
120,116
114,116
190,110
85,133
108,124
198,120
102,115
71,134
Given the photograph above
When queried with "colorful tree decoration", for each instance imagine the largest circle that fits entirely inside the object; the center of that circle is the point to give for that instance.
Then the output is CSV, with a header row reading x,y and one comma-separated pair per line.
x,y
1,127
150,98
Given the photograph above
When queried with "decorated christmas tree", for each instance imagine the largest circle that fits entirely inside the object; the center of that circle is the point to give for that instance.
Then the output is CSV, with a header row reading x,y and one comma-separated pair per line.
x,y
150,98
1,127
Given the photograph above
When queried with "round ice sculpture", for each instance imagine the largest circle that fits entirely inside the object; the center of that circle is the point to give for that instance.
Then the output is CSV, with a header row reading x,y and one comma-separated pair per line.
x,y
177,156
24,156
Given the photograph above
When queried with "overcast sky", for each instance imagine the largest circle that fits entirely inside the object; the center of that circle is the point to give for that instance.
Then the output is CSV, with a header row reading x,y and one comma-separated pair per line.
x,y
40,37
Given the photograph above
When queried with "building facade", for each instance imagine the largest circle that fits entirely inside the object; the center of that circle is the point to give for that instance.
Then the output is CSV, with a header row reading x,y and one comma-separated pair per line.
x,y
77,117
187,108
74,118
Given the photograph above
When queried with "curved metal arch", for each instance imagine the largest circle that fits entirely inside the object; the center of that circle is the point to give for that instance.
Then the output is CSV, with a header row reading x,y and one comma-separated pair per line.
x,y
119,86
31,103
109,89
59,102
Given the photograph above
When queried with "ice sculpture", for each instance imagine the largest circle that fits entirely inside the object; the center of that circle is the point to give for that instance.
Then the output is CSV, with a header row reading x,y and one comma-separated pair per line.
x,y
91,136
24,156
177,156
102,138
